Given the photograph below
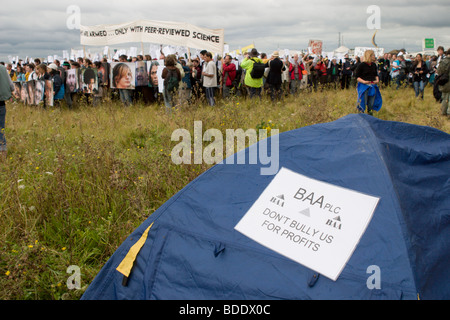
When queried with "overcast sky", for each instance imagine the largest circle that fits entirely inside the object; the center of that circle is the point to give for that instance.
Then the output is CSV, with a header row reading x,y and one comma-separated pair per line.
x,y
38,28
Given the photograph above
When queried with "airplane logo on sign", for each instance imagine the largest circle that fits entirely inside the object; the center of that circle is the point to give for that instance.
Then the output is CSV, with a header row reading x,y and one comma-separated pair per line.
x,y
278,200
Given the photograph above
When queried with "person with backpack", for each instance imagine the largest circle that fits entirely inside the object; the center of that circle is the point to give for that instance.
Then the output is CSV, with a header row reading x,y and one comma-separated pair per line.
x,y
209,73
254,73
172,77
444,84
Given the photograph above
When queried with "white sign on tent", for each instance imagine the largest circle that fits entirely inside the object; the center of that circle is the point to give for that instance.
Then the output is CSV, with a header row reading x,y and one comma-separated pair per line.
x,y
311,222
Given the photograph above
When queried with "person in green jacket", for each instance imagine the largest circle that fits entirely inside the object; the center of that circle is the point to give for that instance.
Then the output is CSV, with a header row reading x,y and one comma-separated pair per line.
x,y
6,88
254,85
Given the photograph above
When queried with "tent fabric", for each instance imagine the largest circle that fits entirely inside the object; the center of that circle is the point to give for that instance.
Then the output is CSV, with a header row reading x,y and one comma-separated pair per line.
x,y
193,252
342,49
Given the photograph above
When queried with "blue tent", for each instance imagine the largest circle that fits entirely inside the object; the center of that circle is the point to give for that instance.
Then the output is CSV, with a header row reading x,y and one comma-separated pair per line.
x,y
189,249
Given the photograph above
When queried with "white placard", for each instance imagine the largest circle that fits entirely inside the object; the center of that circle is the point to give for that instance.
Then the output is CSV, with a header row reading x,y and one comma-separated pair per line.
x,y
359,51
311,222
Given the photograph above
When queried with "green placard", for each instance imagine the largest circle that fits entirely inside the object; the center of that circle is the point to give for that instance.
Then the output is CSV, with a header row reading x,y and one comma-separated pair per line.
x,y
429,43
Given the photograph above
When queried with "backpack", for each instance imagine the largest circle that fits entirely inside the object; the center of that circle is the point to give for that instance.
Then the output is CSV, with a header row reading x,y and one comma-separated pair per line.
x,y
237,78
409,66
443,78
258,70
172,82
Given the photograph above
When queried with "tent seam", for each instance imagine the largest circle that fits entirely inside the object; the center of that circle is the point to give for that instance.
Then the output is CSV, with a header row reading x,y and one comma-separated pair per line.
x,y
376,146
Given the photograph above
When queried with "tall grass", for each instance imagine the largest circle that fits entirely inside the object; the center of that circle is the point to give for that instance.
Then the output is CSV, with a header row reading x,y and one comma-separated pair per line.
x,y
77,182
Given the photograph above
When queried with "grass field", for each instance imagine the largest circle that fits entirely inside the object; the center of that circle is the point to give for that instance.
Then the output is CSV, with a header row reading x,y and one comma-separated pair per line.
x,y
77,182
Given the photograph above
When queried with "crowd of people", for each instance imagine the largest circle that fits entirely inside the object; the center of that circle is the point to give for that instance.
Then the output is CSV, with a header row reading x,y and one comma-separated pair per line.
x,y
175,81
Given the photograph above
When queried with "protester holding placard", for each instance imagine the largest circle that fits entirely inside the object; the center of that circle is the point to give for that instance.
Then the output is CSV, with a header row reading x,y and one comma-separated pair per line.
x,y
20,74
30,73
42,73
58,84
125,94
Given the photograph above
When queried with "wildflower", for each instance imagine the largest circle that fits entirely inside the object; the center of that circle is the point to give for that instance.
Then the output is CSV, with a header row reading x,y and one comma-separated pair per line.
x,y
7,273
30,246
63,248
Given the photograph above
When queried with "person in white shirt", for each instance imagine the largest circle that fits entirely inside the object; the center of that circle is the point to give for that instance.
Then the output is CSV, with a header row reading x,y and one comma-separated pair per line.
x,y
441,56
29,68
209,74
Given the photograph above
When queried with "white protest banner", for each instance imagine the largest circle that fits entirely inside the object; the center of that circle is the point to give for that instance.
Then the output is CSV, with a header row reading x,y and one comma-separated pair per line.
x,y
359,51
226,48
311,222
160,78
316,47
164,32
167,50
